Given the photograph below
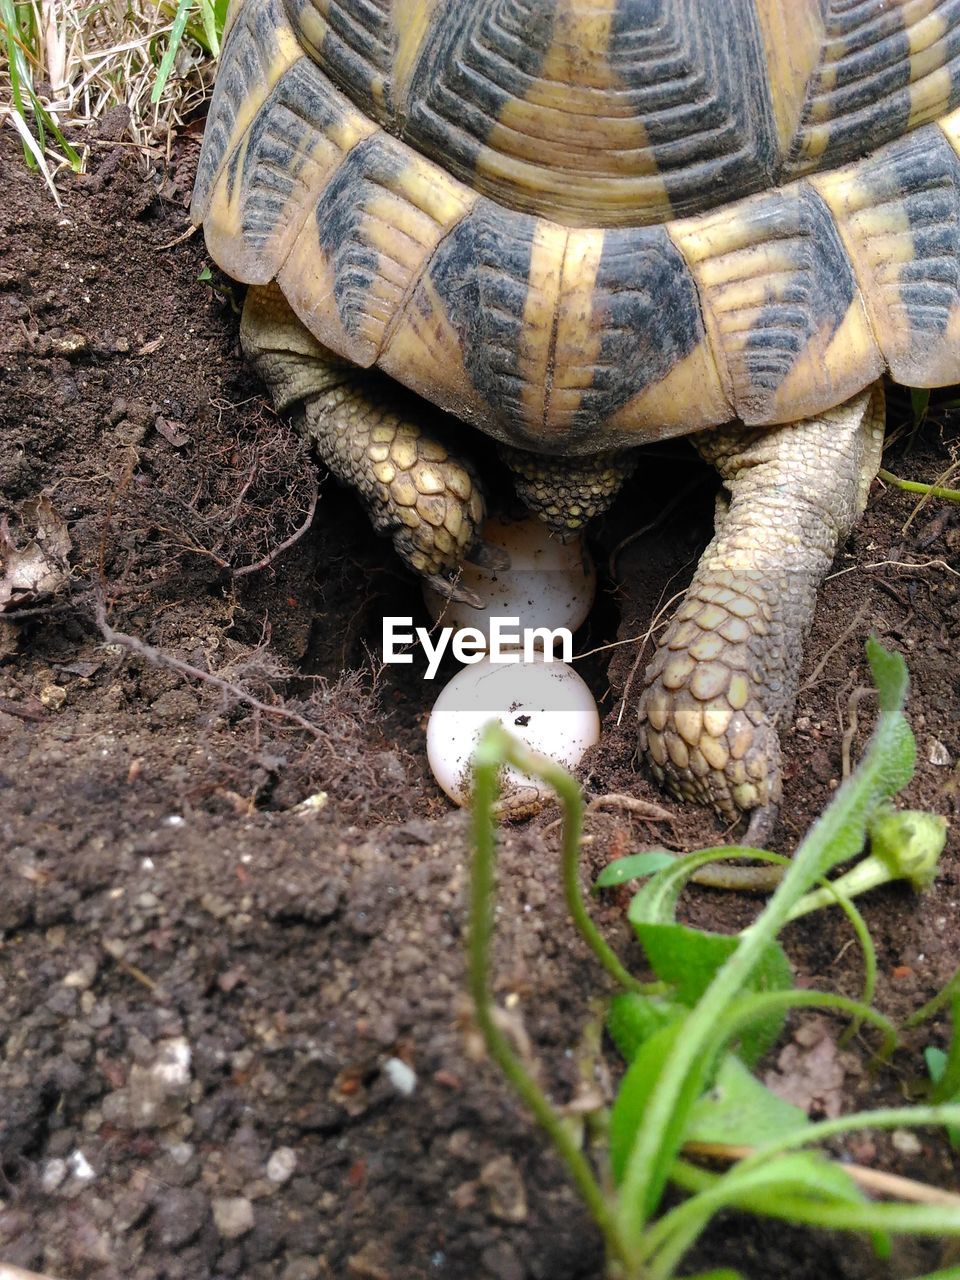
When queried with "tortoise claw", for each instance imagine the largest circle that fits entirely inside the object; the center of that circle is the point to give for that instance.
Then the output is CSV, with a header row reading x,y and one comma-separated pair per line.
x,y
761,824
450,589
486,556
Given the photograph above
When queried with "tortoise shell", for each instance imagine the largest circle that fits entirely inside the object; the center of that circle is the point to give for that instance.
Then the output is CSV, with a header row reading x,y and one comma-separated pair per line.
x,y
586,224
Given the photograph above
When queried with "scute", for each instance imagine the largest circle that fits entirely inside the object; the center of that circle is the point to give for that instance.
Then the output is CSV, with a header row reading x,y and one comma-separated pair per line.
x,y
781,304
274,177
626,112
374,228
259,47
899,214
496,304
615,114
354,42
558,330
884,68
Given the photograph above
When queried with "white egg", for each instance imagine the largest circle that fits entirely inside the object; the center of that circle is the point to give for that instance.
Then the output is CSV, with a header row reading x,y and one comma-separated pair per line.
x,y
545,704
548,584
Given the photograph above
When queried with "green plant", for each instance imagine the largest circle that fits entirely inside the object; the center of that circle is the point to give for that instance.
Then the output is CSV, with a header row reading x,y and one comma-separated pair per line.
x,y
200,20
918,486
70,64
943,1065
690,1039
22,38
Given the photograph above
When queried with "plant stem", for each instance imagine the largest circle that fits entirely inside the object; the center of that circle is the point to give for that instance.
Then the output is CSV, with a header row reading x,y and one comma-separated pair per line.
x,y
917,486
568,790
812,1134
926,1219
940,1001
491,754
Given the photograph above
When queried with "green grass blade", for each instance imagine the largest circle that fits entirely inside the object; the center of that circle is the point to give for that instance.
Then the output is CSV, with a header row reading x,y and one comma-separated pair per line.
x,y
26,104
208,16
18,69
173,44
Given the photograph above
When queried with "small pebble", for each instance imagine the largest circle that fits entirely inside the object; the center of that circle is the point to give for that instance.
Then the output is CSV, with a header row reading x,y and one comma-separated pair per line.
x,y
402,1077
53,696
172,1065
178,1218
281,1164
906,1142
54,1172
937,753
80,1167
82,977
233,1216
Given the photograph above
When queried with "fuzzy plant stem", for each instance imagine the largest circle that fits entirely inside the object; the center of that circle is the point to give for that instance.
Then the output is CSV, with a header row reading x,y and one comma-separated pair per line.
x,y
494,750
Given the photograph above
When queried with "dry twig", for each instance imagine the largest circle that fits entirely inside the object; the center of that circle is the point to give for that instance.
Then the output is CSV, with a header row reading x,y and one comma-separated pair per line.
x,y
160,659
874,1181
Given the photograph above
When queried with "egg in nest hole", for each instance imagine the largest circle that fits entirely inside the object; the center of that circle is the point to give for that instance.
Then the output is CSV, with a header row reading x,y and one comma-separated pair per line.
x,y
548,583
542,701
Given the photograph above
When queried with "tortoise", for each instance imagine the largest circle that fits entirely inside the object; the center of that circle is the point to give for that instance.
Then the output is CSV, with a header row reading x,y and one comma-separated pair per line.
x,y
585,225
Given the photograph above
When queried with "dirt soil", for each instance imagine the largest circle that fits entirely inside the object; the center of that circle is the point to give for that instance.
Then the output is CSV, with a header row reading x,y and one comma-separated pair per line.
x,y
235,1040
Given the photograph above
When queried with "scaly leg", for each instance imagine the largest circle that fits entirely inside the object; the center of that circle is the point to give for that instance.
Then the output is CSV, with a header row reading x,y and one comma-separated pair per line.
x,y
725,675
414,489
566,493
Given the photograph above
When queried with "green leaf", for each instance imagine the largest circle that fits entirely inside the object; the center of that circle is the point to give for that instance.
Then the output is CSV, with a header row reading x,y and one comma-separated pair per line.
x,y
936,1061
886,765
173,44
806,1175
629,1108
690,958
635,866
889,675
737,1108
632,1019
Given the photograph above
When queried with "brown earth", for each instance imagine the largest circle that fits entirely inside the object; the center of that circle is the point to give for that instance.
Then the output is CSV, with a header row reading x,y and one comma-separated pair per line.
x,y
202,980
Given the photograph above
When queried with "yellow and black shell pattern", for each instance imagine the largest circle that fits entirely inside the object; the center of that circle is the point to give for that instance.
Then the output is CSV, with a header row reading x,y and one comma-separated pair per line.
x,y
586,224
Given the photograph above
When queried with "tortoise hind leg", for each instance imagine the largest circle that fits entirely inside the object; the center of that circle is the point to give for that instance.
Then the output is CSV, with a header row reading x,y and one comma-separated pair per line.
x,y
567,493
428,501
726,672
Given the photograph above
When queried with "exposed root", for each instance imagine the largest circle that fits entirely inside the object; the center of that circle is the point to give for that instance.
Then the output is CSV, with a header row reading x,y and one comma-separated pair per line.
x,y
345,754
